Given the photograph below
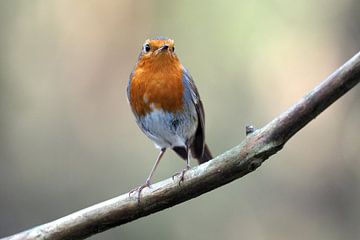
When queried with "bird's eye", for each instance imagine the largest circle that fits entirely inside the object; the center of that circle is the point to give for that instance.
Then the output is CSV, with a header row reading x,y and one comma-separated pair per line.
x,y
147,47
173,49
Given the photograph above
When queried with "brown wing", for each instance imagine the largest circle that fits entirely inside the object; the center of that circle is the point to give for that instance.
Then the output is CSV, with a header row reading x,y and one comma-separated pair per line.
x,y
198,148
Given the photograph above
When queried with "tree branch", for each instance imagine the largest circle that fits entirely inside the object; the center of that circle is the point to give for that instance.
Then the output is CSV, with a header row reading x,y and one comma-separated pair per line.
x,y
233,164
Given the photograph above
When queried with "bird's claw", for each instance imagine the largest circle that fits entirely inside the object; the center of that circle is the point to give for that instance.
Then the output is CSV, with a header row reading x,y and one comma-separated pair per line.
x,y
181,173
139,189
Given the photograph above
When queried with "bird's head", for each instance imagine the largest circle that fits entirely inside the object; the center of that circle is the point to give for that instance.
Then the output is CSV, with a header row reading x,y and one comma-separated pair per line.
x,y
158,48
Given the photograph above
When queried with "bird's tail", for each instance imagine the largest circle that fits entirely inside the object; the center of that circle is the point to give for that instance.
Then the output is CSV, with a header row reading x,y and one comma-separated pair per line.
x,y
206,156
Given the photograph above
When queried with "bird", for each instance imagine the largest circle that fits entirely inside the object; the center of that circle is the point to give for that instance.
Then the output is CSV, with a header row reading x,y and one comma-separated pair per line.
x,y
167,105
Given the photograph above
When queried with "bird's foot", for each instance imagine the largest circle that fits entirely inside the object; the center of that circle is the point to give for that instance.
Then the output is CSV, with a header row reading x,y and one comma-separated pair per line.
x,y
181,173
139,189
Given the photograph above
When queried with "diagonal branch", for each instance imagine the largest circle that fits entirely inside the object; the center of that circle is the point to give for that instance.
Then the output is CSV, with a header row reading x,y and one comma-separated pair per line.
x,y
233,164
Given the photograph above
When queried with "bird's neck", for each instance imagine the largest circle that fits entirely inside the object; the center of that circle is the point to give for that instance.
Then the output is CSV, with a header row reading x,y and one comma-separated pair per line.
x,y
157,84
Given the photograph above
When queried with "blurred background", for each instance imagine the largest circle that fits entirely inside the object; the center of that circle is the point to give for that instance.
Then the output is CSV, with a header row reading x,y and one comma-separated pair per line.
x,y
69,140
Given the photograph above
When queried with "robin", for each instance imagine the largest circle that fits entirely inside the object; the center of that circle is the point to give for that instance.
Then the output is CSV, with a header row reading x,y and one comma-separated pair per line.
x,y
167,105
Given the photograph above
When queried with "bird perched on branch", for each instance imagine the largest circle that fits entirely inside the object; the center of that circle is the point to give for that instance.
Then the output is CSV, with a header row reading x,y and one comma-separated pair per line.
x,y
167,105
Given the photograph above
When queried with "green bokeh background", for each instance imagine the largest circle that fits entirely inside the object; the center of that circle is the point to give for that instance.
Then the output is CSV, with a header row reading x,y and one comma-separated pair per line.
x,y
68,138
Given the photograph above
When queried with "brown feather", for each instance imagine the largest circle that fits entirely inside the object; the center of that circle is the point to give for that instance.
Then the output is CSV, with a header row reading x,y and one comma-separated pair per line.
x,y
157,80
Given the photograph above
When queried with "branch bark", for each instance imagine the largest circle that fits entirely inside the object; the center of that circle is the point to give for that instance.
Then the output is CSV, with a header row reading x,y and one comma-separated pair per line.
x,y
233,164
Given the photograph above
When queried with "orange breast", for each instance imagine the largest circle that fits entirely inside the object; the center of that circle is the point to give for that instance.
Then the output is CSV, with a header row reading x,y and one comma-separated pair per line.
x,y
157,83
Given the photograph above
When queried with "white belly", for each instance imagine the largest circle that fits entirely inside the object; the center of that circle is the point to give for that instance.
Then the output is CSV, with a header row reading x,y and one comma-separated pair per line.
x,y
168,129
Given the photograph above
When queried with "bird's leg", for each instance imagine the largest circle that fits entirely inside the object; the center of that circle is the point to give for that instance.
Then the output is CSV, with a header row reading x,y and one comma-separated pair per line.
x,y
148,180
182,172
187,166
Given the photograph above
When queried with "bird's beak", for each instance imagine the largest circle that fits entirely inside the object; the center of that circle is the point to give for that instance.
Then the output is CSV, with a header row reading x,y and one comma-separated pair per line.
x,y
163,48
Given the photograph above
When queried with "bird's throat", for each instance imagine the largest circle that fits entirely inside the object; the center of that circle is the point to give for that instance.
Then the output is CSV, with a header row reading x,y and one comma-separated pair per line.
x,y
157,84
